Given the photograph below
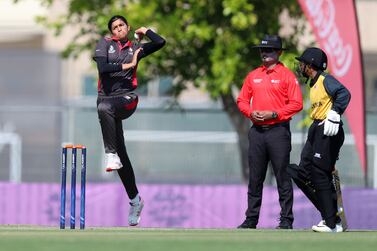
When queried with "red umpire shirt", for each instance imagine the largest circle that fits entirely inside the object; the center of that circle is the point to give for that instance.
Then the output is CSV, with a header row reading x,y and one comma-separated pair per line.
x,y
275,89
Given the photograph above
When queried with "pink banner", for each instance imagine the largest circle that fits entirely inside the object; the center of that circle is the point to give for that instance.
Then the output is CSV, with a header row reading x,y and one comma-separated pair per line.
x,y
334,23
171,206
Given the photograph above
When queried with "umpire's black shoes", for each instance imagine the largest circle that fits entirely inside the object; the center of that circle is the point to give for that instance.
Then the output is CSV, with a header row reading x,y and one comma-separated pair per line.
x,y
284,226
248,223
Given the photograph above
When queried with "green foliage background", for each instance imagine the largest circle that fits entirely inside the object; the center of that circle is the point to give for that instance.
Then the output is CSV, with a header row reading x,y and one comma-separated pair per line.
x,y
209,42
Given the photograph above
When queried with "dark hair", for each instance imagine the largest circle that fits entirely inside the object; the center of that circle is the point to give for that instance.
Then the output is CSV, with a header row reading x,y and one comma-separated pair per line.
x,y
114,18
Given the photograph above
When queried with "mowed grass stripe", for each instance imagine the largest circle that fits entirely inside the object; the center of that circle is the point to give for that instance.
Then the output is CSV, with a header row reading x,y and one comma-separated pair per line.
x,y
42,238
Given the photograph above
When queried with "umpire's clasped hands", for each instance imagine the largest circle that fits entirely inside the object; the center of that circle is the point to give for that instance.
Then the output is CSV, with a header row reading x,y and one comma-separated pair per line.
x,y
260,116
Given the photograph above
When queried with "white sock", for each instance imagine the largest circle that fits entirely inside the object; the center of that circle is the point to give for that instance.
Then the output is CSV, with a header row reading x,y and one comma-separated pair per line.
x,y
136,200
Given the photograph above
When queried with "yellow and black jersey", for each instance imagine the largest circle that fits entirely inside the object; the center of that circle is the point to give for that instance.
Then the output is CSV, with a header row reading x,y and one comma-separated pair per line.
x,y
327,93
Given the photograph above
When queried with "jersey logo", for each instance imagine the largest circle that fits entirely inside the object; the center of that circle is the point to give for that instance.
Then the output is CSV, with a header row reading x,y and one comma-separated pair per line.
x,y
316,104
275,81
257,80
317,155
111,49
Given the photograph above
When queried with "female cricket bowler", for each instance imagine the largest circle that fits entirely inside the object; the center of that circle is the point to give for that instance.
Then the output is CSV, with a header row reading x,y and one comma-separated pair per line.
x,y
329,99
117,59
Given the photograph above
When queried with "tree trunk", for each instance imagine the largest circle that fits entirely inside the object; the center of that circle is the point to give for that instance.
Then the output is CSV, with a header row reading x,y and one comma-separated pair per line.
x,y
242,126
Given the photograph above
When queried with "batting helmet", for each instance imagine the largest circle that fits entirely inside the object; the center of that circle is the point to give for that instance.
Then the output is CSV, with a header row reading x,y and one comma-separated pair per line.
x,y
314,57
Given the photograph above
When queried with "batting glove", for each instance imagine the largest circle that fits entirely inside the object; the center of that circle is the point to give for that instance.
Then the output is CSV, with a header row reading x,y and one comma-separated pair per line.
x,y
332,122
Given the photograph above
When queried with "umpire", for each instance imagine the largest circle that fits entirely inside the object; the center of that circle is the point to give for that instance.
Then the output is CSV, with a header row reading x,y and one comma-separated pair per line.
x,y
269,97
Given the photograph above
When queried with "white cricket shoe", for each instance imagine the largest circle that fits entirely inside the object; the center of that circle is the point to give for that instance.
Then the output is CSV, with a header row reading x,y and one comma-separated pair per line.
x,y
323,223
322,228
112,162
135,212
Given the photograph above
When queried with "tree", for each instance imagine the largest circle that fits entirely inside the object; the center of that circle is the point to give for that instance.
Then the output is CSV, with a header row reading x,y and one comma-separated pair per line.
x,y
209,42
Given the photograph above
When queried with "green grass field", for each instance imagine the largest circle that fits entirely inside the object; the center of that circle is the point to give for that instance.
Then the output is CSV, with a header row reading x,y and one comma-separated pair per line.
x,y
29,238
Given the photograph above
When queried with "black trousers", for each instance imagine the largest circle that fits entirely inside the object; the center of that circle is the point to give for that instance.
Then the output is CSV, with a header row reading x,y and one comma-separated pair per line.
x,y
111,112
270,144
314,173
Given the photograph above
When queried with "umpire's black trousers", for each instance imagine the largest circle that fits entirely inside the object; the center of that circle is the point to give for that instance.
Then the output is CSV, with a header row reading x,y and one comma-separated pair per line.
x,y
273,144
111,112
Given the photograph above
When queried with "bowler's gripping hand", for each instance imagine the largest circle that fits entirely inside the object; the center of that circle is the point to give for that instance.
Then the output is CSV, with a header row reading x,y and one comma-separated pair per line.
x,y
332,122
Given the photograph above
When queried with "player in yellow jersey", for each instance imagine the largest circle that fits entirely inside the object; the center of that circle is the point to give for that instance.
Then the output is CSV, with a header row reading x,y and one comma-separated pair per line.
x,y
329,99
